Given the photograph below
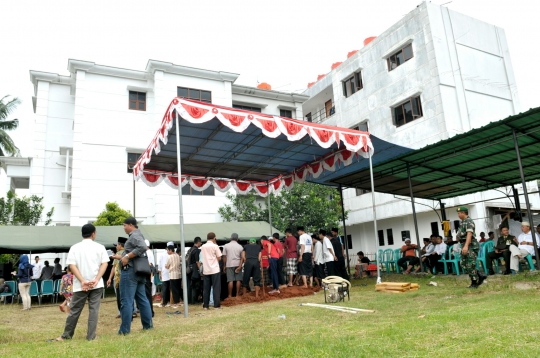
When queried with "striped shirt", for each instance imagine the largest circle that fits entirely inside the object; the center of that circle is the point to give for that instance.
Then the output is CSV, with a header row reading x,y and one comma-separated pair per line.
x,y
174,265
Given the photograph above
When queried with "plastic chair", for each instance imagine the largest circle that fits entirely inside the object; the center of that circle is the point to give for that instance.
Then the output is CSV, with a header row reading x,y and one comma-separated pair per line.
x,y
397,256
157,282
56,289
453,258
388,259
34,292
529,260
379,258
12,294
488,247
47,289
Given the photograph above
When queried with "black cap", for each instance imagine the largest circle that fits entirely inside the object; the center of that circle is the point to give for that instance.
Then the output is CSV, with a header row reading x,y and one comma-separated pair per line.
x,y
300,228
121,241
130,221
87,230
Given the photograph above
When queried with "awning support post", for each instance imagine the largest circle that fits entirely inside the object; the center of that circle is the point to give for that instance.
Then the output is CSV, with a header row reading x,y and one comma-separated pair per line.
x,y
526,195
413,210
379,259
269,211
345,240
181,216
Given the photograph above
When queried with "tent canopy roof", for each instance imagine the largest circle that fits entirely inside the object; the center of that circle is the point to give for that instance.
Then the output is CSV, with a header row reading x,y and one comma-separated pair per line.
x,y
478,160
23,239
227,143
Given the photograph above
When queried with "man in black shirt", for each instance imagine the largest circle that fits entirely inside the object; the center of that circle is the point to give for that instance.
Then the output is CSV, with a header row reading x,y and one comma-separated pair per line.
x,y
338,250
251,258
501,249
194,278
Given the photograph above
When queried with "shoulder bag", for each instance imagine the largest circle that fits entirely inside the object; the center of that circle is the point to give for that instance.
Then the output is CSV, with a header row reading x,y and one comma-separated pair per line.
x,y
141,265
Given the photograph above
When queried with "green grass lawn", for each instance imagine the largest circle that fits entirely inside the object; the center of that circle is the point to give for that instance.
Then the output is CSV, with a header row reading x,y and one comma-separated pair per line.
x,y
501,319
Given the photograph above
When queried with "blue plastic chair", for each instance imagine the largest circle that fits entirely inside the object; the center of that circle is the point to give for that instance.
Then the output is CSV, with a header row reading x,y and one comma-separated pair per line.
x,y
388,259
47,289
453,258
56,289
529,260
12,294
379,258
487,247
397,256
34,292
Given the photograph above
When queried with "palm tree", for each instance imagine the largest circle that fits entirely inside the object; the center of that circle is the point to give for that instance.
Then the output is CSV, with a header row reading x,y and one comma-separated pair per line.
x,y
7,146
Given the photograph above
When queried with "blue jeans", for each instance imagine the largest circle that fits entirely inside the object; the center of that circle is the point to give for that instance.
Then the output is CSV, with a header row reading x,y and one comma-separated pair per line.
x,y
274,273
132,289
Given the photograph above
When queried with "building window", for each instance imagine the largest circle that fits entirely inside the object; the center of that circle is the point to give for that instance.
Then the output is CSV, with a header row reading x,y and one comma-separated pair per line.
x,y
349,241
308,117
407,112
132,160
390,236
405,235
191,93
435,228
247,108
285,113
362,127
352,84
137,101
362,191
381,237
188,190
401,56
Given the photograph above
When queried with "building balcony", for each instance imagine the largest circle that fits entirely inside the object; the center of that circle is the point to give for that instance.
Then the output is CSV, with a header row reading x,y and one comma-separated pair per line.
x,y
321,115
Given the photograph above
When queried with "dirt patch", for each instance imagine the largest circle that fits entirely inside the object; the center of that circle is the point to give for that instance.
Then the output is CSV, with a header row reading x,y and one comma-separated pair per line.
x,y
524,286
287,292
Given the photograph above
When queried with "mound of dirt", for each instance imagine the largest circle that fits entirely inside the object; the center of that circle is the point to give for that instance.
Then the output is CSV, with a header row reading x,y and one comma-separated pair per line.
x,y
286,292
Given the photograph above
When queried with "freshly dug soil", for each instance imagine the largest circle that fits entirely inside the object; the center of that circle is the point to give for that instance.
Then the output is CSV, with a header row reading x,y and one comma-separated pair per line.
x,y
286,292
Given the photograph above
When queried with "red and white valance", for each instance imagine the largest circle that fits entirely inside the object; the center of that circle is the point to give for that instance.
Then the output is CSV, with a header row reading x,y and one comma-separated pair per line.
x,y
352,143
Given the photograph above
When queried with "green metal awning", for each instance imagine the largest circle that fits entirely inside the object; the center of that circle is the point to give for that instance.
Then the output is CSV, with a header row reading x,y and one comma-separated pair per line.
x,y
478,160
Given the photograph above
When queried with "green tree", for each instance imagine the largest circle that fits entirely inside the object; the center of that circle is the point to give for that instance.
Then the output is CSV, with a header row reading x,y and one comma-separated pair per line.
x,y
112,215
310,205
22,211
7,106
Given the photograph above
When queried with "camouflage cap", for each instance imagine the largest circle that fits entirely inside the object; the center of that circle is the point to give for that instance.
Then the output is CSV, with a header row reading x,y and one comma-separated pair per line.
x,y
462,208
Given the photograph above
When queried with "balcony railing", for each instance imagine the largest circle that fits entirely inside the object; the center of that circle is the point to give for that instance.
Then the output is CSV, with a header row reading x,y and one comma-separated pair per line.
x,y
320,116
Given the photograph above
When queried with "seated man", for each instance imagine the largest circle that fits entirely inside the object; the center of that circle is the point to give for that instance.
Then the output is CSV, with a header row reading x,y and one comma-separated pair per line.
x,y
427,250
409,254
525,246
501,249
436,255
361,266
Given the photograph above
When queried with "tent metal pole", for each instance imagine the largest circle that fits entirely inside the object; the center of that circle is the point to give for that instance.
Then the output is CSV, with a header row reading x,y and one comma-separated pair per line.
x,y
181,217
379,259
269,210
413,210
526,195
345,240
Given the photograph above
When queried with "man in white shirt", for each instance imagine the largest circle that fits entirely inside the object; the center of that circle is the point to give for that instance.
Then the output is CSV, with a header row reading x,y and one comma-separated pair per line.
x,y
88,261
329,256
164,277
428,249
305,263
318,259
36,270
525,246
437,254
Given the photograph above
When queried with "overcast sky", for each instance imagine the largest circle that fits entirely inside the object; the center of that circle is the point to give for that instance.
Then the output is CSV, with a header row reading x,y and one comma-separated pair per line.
x,y
285,43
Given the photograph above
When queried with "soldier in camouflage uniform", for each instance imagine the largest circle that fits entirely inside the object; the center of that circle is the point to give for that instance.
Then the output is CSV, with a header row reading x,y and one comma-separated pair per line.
x,y
469,252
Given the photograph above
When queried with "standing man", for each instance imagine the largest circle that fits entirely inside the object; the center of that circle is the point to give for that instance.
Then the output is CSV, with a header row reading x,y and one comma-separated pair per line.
x,y
291,255
211,256
251,259
148,286
174,265
274,257
281,253
195,277
305,263
115,271
87,261
469,247
232,255
164,277
502,249
318,260
132,285
329,256
36,270
525,246
339,250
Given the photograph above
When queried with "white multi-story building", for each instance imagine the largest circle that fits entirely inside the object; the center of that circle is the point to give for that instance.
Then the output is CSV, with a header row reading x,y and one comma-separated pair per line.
x,y
434,74
91,125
